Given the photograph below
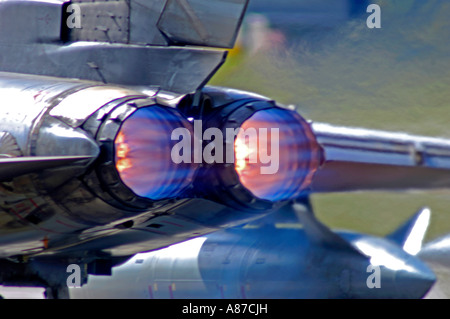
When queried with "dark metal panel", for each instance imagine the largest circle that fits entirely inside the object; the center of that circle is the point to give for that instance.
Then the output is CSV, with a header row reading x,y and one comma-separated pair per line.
x,y
203,22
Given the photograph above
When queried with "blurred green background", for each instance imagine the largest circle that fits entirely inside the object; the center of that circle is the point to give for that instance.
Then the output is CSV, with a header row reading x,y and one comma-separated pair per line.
x,y
395,78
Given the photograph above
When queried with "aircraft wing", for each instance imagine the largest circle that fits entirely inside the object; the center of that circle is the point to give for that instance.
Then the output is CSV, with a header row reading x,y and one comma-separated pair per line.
x,y
362,159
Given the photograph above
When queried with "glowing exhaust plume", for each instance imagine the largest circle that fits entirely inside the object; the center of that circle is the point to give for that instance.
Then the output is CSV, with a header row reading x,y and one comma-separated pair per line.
x,y
275,154
143,154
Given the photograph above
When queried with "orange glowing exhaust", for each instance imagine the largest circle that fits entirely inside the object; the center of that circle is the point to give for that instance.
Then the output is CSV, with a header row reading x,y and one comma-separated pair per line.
x,y
276,154
122,150
143,154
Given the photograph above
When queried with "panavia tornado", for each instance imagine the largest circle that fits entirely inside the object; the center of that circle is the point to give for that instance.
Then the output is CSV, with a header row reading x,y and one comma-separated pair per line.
x,y
112,145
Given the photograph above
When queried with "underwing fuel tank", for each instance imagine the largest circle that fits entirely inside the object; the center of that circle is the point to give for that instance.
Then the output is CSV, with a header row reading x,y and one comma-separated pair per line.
x,y
275,261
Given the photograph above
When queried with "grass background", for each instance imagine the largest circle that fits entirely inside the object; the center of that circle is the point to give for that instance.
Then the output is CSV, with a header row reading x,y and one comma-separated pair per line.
x,y
395,78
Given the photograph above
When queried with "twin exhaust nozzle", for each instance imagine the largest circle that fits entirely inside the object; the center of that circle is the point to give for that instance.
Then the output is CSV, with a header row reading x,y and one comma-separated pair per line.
x,y
257,148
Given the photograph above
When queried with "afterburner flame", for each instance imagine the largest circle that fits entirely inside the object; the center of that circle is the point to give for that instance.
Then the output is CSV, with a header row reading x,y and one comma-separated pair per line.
x,y
278,160
122,150
143,154
242,154
123,164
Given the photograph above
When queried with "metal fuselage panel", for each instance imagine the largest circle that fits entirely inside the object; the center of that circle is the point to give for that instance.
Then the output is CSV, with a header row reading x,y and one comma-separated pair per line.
x,y
24,101
30,215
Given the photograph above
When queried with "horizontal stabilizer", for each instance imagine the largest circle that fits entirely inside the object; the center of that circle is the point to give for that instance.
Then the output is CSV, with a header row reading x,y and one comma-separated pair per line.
x,y
15,166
